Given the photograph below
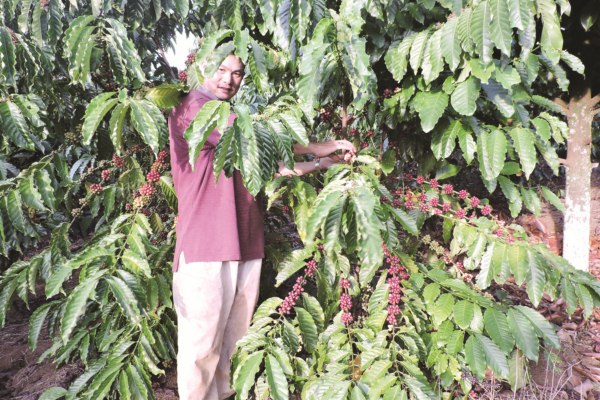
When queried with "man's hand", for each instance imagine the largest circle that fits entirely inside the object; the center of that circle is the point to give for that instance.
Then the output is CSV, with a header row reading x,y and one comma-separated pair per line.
x,y
323,149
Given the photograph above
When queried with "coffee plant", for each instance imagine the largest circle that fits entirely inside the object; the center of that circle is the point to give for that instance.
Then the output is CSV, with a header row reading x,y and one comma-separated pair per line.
x,y
394,274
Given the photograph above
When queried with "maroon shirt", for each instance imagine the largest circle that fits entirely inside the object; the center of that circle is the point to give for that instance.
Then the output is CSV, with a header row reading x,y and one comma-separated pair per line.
x,y
216,221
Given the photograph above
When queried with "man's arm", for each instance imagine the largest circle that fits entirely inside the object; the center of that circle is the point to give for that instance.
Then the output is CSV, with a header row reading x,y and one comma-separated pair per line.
x,y
323,149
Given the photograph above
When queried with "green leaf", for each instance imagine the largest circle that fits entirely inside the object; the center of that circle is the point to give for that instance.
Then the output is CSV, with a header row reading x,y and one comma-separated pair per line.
x,y
467,145
30,195
494,356
125,297
408,221
501,31
524,334
144,118
531,200
451,43
536,278
293,262
475,356
542,327
257,64
54,393
388,161
491,152
308,329
246,377
369,233
553,199
497,328
464,97
36,322
94,114
417,48
14,125
278,385
480,31
524,144
44,185
115,126
136,263
7,57
551,40
165,95
442,309
430,106
463,313
500,97
396,58
433,63
76,304
444,140
313,306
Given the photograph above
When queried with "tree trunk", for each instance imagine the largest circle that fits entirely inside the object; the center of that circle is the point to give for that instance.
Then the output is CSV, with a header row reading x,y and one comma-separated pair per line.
x,y
576,234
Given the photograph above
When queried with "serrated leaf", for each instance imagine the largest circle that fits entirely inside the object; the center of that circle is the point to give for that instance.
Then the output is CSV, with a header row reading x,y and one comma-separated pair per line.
x,y
246,378
144,120
497,328
451,44
125,297
278,386
308,328
491,152
36,322
416,50
501,32
165,95
464,97
475,356
464,312
430,106
494,356
467,144
76,304
553,199
501,98
136,263
524,144
542,327
480,31
524,334
396,58
14,125
94,114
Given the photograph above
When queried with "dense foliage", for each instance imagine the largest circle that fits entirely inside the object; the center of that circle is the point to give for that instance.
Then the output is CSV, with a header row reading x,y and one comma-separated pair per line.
x,y
385,304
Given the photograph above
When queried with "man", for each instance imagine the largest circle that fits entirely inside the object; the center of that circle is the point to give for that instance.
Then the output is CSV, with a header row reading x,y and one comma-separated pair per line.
x,y
220,244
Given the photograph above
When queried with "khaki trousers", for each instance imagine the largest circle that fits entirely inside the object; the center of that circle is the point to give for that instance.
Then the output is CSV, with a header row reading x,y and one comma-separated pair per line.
x,y
214,302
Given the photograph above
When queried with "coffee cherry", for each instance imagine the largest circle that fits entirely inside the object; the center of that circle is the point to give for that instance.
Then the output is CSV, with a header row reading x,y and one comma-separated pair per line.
x,y
183,76
105,174
96,188
146,190
153,176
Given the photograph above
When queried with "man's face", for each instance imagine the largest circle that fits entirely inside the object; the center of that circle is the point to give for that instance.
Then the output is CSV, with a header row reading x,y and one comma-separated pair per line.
x,y
226,82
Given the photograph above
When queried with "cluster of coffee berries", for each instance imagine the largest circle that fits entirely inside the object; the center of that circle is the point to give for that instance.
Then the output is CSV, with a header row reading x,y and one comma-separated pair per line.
x,y
96,188
325,115
153,176
290,300
146,190
311,267
396,274
191,58
429,200
183,76
118,162
387,93
345,302
105,174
